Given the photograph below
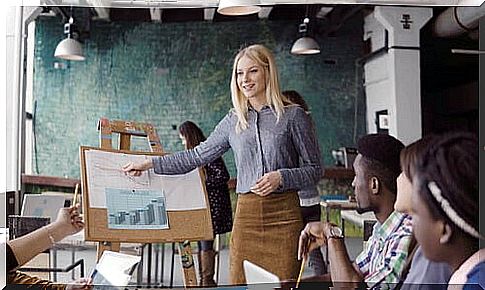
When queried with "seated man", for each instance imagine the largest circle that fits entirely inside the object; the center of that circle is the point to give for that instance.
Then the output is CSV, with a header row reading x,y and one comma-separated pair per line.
x,y
21,250
382,261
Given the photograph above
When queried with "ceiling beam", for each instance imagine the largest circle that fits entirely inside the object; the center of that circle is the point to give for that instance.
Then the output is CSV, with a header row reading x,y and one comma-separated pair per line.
x,y
209,14
156,14
265,11
339,15
57,10
30,13
323,12
101,7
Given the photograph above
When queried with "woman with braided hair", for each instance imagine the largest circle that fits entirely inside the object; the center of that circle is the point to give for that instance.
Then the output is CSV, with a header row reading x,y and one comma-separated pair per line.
x,y
418,270
445,207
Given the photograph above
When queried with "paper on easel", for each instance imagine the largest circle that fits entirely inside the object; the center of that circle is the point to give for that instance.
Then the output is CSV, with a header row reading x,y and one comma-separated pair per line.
x,y
114,269
104,171
182,191
136,209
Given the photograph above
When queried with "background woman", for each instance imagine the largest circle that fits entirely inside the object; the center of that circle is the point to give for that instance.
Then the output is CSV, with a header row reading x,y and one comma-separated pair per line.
x,y
276,154
216,178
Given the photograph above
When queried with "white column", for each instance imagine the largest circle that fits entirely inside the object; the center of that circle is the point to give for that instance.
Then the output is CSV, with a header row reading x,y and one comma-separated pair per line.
x,y
29,106
393,79
13,94
26,149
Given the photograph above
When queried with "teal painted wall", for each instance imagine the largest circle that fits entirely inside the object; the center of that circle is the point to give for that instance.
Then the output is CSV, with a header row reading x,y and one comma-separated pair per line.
x,y
171,72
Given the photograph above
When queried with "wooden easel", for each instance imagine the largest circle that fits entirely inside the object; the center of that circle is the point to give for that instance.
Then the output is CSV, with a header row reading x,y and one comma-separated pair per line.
x,y
126,130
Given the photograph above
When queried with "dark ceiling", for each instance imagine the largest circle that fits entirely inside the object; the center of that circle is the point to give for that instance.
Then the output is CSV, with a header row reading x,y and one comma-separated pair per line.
x,y
278,12
440,68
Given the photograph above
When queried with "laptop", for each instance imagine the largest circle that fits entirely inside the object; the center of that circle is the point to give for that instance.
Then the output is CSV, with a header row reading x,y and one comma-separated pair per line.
x,y
42,205
259,278
114,270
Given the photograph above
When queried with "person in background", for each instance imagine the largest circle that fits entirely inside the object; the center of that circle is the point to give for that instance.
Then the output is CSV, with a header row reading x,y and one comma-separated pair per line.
x,y
309,197
216,178
21,250
420,273
381,263
445,208
276,154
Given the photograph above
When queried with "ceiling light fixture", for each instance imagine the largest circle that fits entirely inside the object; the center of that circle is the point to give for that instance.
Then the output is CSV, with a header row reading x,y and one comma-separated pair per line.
x,y
238,7
70,48
305,44
467,51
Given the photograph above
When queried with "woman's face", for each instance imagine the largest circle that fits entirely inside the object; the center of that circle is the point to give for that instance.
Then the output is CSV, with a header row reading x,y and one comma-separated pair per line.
x,y
404,194
250,79
426,229
182,138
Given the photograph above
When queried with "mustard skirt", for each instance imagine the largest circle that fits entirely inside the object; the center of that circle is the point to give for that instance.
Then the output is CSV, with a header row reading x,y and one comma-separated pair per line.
x,y
265,232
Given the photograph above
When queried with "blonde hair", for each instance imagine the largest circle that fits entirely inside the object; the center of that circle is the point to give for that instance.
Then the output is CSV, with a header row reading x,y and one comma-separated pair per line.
x,y
264,58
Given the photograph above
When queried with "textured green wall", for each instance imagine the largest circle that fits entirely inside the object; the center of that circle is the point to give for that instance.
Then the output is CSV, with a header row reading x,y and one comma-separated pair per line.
x,y
171,72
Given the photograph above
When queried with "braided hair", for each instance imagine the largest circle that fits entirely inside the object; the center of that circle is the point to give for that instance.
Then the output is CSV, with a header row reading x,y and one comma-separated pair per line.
x,y
447,176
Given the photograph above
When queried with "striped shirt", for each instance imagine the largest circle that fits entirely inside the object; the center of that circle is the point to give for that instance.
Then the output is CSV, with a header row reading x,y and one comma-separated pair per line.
x,y
384,256
288,145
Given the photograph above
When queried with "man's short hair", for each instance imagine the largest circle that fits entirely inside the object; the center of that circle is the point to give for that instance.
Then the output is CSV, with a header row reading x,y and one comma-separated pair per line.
x,y
380,157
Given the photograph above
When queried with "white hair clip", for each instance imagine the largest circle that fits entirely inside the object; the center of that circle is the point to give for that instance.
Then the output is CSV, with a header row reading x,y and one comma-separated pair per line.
x,y
450,212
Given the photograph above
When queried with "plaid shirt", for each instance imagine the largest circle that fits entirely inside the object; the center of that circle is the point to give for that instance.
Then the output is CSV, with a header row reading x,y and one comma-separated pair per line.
x,y
383,259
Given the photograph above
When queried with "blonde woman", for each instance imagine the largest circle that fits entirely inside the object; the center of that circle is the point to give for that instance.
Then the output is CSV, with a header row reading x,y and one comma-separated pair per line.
x,y
269,137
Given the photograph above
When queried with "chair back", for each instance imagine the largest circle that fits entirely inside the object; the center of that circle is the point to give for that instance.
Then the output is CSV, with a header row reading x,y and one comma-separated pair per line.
x,y
22,225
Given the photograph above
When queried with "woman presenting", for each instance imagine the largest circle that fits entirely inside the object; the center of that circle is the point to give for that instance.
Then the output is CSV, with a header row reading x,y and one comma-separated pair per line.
x,y
276,154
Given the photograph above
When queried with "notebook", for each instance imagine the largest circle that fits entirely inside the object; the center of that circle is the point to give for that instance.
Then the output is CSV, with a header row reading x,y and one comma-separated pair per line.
x,y
259,278
114,270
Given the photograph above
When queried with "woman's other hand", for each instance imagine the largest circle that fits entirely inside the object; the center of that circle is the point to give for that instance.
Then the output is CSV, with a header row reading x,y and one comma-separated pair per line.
x,y
267,184
136,169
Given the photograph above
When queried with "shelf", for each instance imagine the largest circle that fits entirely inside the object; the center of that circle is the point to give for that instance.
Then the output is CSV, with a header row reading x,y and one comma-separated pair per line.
x,y
338,173
49,180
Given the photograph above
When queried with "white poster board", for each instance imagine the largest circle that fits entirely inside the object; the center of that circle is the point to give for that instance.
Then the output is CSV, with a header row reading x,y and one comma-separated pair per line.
x,y
104,173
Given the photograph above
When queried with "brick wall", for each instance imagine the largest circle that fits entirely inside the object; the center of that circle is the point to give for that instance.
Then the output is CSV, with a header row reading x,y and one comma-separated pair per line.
x,y
171,72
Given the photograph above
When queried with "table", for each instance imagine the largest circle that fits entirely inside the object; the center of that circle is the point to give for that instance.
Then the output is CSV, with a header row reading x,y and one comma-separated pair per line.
x,y
365,221
337,204
71,243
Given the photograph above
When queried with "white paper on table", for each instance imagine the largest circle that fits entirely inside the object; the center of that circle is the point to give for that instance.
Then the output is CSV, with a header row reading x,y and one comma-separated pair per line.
x,y
183,191
115,268
104,170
